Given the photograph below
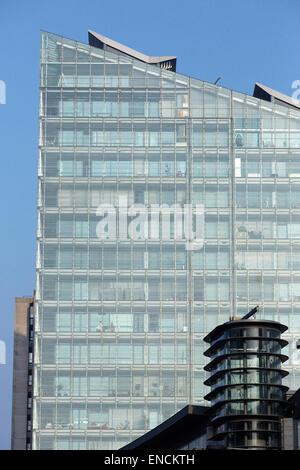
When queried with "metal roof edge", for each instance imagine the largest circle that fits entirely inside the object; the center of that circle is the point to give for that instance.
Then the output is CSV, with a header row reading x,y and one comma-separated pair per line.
x,y
128,51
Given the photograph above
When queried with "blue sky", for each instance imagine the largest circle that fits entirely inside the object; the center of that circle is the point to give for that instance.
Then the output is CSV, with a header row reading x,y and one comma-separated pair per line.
x,y
241,41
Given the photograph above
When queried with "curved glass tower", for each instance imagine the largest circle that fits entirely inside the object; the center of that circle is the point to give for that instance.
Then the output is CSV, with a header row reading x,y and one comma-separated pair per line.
x,y
122,300
247,395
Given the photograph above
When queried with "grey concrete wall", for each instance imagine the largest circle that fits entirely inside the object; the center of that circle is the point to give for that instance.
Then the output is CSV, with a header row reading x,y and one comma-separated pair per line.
x,y
20,374
287,428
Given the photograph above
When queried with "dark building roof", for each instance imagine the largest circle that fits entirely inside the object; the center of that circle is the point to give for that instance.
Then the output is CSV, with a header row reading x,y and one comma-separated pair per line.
x,y
183,427
243,323
268,94
102,42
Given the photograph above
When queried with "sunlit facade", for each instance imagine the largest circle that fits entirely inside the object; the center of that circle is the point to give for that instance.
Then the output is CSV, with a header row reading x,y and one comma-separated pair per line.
x,y
120,322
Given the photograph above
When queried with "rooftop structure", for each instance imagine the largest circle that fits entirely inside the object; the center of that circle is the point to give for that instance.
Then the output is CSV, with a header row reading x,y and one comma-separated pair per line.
x,y
247,396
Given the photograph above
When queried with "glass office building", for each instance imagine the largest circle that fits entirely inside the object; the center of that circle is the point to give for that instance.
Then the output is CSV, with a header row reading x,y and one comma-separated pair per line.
x,y
120,319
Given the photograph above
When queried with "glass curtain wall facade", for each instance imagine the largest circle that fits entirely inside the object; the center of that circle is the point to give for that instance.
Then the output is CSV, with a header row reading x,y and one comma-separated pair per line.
x,y
120,322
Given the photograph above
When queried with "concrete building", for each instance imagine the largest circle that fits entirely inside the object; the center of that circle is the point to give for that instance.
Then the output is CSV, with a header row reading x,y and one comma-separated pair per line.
x,y
22,374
